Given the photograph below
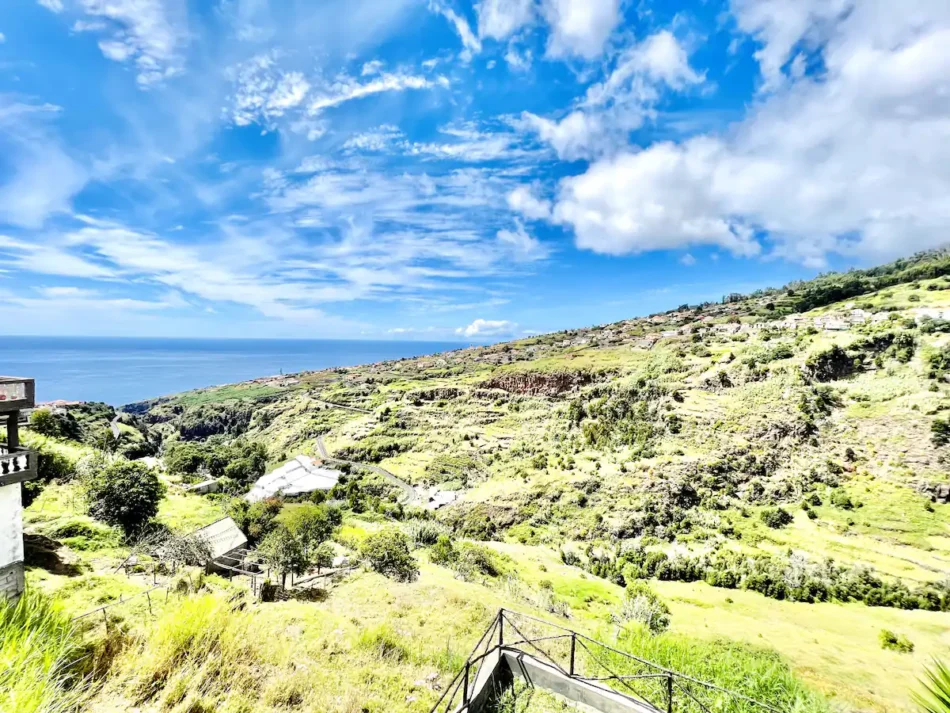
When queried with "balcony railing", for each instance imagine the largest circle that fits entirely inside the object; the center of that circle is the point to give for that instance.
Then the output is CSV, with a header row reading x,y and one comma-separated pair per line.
x,y
16,465
16,392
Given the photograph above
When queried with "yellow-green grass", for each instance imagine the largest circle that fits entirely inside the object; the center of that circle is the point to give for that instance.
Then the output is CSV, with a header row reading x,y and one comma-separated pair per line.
x,y
834,647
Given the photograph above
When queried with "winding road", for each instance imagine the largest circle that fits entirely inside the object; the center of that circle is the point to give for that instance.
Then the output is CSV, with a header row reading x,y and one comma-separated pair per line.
x,y
412,497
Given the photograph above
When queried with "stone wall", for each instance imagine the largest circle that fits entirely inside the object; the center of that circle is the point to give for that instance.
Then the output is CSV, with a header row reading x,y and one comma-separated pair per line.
x,y
11,525
11,581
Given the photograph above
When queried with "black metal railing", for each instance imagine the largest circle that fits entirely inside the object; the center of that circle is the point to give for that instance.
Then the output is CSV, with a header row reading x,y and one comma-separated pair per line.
x,y
582,658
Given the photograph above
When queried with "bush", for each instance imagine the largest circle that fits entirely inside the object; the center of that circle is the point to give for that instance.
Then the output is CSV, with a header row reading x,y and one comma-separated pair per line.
x,y
125,494
895,642
387,552
776,518
642,605
841,499
940,432
425,533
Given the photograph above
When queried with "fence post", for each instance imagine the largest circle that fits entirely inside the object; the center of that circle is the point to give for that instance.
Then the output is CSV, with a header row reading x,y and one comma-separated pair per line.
x,y
105,618
573,646
501,628
465,686
149,597
669,693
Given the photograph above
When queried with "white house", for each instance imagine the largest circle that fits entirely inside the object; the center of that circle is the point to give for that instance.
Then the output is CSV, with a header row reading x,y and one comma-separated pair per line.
x,y
16,466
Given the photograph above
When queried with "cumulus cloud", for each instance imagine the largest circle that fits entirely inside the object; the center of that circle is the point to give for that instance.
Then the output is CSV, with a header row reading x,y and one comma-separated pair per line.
x,y
499,19
579,28
488,328
524,201
854,159
579,135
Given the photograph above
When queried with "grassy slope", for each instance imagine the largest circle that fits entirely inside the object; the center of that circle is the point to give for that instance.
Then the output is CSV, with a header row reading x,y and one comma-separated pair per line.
x,y
884,415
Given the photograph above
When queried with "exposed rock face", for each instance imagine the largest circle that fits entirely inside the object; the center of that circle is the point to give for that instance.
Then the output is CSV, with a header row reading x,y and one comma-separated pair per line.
x,y
537,383
938,492
442,393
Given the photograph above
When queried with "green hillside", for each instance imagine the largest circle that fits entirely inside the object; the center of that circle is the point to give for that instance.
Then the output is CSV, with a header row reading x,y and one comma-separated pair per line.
x,y
774,466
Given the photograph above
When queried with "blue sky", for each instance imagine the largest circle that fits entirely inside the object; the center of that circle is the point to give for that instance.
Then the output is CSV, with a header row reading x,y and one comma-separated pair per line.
x,y
443,169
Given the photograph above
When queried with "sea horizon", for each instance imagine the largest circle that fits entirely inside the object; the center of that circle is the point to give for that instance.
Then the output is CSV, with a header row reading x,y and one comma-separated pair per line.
x,y
124,370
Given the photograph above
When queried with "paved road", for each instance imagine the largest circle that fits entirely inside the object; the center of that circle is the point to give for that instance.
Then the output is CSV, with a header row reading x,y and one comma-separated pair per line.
x,y
411,496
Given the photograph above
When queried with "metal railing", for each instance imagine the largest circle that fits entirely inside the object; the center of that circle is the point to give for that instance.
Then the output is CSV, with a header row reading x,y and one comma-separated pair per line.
x,y
582,658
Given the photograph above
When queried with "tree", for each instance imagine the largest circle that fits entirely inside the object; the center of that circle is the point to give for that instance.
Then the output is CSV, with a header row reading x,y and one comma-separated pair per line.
x,y
311,524
183,458
124,493
284,552
387,552
44,423
940,432
322,556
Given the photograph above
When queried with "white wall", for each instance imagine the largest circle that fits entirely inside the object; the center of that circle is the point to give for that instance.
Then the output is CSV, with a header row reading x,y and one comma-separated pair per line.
x,y
11,525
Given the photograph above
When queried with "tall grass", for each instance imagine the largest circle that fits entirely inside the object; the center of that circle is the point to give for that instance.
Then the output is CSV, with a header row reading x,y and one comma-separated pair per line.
x,y
198,655
936,695
39,649
760,674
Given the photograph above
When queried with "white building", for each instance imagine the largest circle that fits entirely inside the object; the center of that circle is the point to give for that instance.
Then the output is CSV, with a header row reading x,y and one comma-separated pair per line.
x,y
16,466
295,477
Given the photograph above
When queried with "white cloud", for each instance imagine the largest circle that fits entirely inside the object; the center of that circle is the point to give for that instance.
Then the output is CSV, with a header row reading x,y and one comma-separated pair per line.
x,y
688,260
52,5
578,135
524,247
150,32
488,328
524,201
41,177
3,38
470,40
346,89
499,19
379,139
622,102
637,202
780,25
263,92
519,62
579,27
855,159
371,68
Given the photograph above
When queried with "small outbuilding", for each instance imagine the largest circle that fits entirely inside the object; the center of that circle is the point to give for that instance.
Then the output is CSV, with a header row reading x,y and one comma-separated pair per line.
x,y
223,538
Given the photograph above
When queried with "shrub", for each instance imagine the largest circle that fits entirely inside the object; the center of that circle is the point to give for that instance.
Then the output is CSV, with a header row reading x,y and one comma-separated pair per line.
x,y
895,642
841,499
642,605
776,518
125,494
443,552
387,552
425,533
474,560
940,432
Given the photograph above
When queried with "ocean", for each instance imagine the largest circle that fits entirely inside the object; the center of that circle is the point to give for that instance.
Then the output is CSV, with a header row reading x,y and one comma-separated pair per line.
x,y
124,370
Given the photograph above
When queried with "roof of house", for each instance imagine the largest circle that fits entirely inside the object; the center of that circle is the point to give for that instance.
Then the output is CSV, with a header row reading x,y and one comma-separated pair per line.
x,y
222,537
300,475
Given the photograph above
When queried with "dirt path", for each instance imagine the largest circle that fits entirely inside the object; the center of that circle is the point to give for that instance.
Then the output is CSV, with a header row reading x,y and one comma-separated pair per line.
x,y
412,497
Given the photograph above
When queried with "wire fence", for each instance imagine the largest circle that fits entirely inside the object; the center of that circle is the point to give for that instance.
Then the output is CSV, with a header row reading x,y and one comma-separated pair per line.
x,y
581,658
